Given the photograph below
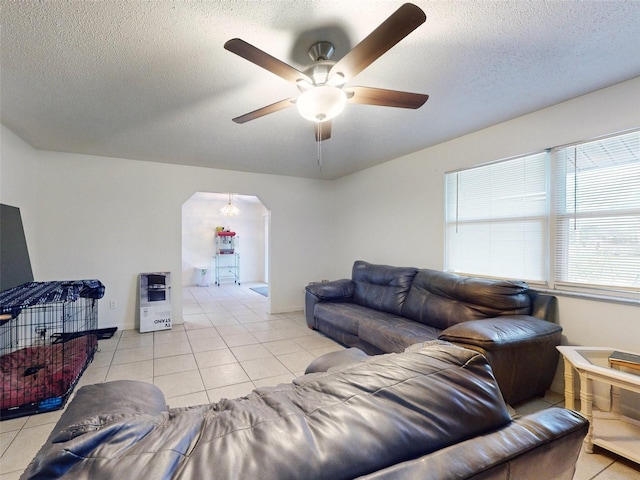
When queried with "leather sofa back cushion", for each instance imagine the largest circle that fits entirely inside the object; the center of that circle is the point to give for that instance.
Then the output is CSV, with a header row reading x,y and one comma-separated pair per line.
x,y
381,287
443,299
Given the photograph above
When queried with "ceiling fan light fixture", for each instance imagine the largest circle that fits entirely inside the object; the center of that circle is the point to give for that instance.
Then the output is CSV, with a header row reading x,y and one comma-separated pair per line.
x,y
321,82
321,103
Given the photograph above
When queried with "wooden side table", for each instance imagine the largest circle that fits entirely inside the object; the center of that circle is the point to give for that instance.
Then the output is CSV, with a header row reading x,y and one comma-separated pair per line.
x,y
610,430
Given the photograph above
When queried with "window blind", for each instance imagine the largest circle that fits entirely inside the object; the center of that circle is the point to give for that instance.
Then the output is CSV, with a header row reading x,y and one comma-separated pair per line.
x,y
497,220
596,211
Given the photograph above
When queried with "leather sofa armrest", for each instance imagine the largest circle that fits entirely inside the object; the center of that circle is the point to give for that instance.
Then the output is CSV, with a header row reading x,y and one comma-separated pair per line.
x,y
500,332
544,306
94,405
540,445
334,291
520,349
122,411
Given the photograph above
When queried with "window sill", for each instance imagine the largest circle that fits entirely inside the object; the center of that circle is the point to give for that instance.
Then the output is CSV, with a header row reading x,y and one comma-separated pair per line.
x,y
634,302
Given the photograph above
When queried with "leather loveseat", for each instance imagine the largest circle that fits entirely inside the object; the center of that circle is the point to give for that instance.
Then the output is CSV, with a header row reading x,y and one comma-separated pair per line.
x,y
432,412
384,309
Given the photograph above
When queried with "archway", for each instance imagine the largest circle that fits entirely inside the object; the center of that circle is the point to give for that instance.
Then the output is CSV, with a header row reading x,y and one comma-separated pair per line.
x,y
200,217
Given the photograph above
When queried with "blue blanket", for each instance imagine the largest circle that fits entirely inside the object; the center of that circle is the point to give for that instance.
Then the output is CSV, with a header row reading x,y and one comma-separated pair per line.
x,y
12,301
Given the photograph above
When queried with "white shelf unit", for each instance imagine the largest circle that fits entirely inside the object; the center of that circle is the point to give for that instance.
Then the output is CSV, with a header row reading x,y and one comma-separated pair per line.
x,y
227,267
227,261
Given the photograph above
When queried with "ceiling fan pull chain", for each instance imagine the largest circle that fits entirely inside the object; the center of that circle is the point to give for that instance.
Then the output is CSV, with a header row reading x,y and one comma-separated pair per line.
x,y
319,137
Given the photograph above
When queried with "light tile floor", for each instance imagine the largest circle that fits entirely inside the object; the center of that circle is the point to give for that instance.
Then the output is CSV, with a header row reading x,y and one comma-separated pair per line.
x,y
227,346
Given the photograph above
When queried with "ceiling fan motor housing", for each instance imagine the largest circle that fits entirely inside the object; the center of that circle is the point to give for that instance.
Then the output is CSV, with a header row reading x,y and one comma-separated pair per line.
x,y
321,51
318,73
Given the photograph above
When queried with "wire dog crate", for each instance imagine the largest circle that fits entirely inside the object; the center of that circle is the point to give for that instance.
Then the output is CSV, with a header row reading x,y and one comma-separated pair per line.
x,y
48,336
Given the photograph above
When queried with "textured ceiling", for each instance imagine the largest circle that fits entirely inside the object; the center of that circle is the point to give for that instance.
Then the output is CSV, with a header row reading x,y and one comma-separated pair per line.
x,y
150,80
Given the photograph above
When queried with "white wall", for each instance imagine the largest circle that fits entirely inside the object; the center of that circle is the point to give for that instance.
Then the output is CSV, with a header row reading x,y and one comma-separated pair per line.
x,y
110,218
201,215
394,213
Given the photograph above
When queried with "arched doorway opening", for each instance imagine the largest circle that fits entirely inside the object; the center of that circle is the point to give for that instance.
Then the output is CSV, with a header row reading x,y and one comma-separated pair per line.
x,y
200,217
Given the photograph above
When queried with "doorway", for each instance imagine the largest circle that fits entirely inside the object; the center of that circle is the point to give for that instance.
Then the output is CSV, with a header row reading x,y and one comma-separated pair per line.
x,y
200,217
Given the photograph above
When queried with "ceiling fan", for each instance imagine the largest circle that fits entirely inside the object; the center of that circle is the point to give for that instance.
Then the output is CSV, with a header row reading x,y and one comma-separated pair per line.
x,y
322,84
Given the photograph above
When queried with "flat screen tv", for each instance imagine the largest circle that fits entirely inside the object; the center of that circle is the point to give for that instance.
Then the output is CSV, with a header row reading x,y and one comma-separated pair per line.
x,y
15,265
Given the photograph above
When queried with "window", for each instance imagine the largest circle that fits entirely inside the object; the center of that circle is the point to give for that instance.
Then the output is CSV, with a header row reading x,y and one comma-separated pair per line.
x,y
496,219
597,213
568,218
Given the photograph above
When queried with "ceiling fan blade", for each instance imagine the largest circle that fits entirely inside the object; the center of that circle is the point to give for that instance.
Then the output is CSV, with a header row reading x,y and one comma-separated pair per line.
x,y
385,98
323,130
266,61
261,112
400,24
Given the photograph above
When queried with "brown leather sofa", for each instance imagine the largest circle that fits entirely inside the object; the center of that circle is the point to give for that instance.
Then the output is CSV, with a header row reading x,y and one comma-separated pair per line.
x,y
384,309
432,412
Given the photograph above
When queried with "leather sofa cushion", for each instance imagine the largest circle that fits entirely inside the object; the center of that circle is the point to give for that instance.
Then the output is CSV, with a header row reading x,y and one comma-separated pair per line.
x,y
381,287
442,299
339,358
344,316
391,333
384,331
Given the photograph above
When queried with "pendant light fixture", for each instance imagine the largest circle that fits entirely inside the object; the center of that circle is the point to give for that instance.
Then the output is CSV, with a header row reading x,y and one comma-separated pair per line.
x,y
230,210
